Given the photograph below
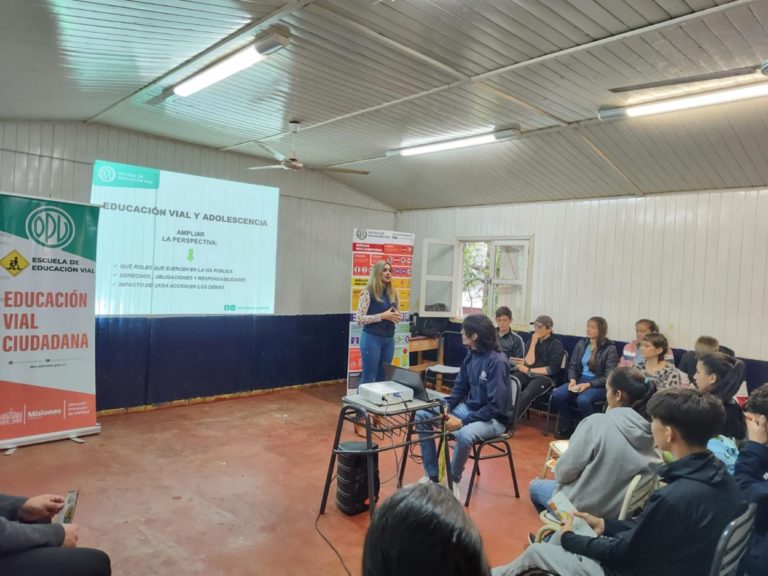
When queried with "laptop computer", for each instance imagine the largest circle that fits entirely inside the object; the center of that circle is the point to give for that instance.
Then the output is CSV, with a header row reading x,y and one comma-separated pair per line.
x,y
410,379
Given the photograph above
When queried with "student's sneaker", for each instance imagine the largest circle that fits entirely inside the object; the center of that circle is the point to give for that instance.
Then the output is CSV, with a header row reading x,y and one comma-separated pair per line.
x,y
531,538
424,480
457,491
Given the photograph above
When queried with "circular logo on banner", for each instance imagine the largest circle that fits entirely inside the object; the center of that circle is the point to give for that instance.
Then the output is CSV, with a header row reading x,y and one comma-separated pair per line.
x,y
107,174
361,233
50,226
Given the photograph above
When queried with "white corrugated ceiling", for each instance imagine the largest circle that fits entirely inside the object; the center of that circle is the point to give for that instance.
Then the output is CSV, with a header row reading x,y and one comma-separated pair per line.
x,y
366,76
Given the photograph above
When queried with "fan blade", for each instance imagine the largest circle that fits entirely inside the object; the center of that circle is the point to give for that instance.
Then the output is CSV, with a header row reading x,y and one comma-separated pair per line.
x,y
745,71
270,167
276,154
342,171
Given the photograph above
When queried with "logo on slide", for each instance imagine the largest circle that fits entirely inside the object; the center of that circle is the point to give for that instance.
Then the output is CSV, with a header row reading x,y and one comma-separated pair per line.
x,y
361,233
50,226
107,174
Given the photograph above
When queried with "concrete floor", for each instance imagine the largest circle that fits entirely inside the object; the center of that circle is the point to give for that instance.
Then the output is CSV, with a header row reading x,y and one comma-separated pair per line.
x,y
234,487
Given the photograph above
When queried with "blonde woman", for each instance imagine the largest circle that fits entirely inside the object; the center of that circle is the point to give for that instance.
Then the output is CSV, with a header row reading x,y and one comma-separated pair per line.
x,y
378,313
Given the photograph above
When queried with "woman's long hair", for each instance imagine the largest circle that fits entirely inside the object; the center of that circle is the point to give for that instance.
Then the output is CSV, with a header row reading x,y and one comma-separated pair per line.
x,y
729,372
375,285
635,388
602,332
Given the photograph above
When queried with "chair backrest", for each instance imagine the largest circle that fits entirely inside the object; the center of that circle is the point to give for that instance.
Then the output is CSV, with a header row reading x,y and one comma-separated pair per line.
x,y
733,543
515,385
637,495
727,350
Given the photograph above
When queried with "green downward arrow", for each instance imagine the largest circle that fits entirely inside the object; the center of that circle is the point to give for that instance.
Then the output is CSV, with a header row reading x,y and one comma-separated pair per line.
x,y
190,255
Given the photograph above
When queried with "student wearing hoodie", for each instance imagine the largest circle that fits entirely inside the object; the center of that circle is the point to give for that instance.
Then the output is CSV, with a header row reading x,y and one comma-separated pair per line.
x,y
678,530
31,546
606,451
751,475
481,402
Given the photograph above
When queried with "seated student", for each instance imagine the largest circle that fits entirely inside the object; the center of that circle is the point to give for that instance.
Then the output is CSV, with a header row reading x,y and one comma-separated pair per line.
x,y
630,355
703,345
751,476
510,341
592,360
606,451
31,546
422,530
679,528
541,367
721,375
481,402
653,349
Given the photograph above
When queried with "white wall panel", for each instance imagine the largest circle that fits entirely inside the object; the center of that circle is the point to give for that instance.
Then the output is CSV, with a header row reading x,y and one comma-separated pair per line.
x,y
695,263
317,213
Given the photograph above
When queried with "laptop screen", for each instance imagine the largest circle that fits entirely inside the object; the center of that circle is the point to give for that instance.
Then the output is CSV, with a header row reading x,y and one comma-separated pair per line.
x,y
406,378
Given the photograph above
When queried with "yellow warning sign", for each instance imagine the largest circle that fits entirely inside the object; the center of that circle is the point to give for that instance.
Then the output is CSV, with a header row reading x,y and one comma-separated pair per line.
x,y
14,263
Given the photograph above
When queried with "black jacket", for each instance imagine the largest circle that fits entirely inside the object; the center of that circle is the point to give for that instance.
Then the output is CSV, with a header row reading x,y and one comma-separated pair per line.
x,y
678,530
607,360
751,476
483,385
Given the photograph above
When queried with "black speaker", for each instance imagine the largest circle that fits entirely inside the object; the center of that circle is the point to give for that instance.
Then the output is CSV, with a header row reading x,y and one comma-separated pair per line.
x,y
352,477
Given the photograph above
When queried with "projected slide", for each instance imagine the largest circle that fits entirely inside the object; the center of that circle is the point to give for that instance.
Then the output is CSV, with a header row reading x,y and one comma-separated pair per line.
x,y
174,243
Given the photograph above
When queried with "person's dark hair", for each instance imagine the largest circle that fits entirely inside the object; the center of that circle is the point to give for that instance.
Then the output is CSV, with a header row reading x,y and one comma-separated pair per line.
x,y
697,416
729,373
635,388
652,326
722,367
757,403
487,339
657,341
602,332
504,311
423,529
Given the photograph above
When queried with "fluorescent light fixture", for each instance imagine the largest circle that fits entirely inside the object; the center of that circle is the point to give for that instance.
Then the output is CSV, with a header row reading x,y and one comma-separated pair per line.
x,y
457,143
232,64
686,102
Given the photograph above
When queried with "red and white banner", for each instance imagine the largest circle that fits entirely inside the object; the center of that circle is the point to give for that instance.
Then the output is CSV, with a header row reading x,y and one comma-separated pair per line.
x,y
47,372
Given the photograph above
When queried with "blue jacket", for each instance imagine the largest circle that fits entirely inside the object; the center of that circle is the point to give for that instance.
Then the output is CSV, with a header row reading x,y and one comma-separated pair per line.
x,y
483,385
751,475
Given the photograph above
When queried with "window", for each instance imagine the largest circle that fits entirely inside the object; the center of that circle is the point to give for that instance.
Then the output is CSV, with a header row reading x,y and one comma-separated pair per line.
x,y
476,277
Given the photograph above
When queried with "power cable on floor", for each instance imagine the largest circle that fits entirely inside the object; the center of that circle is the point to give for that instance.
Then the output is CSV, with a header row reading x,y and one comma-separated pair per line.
x,y
335,551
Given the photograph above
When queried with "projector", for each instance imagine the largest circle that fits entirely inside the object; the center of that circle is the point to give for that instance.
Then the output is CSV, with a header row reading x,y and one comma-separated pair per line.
x,y
382,393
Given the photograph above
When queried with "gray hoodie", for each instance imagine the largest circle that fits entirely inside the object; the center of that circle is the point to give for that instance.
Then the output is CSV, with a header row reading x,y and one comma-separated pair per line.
x,y
604,454
17,537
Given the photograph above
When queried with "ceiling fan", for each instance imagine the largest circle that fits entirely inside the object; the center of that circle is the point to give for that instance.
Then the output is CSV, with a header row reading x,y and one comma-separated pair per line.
x,y
292,162
720,75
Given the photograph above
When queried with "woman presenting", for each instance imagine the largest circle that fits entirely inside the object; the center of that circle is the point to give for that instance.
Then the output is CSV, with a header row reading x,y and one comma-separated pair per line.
x,y
378,313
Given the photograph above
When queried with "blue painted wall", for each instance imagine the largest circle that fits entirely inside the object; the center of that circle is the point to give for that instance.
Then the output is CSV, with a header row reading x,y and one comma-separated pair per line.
x,y
143,361
153,360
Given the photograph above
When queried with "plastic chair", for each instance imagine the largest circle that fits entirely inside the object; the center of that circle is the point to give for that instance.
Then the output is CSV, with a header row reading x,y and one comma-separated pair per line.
x,y
636,496
733,544
445,373
499,445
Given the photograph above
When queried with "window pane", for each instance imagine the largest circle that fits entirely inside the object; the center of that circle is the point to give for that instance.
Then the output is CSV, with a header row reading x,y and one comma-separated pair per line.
x,y
512,296
439,296
440,259
511,262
